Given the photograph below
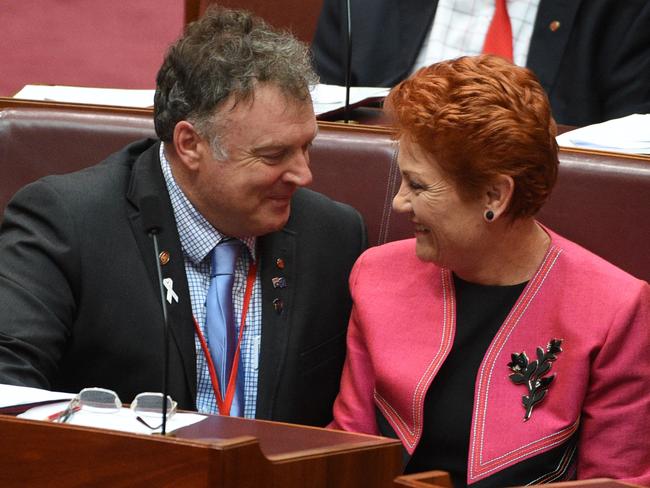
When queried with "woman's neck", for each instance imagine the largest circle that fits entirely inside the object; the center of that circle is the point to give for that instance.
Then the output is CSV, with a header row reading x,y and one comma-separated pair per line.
x,y
511,253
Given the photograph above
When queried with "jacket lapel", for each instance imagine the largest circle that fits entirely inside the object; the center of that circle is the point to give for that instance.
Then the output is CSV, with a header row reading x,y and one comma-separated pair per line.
x,y
500,438
147,179
277,259
416,19
551,34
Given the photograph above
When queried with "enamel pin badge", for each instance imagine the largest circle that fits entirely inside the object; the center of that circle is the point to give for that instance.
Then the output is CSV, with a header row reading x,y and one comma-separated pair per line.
x,y
168,283
279,282
532,374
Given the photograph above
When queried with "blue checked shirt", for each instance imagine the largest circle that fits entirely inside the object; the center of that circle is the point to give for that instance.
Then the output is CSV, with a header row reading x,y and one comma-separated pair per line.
x,y
198,238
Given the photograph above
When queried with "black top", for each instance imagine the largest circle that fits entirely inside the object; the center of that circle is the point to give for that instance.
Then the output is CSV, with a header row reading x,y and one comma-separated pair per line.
x,y
480,311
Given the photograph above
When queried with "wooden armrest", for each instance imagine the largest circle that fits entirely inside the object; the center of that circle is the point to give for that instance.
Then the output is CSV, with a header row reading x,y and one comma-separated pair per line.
x,y
426,479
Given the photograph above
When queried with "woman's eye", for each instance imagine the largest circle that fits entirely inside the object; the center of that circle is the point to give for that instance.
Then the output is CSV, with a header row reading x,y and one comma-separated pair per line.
x,y
414,185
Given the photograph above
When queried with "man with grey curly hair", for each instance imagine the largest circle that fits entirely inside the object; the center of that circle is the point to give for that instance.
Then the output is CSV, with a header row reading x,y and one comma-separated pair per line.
x,y
224,182
244,52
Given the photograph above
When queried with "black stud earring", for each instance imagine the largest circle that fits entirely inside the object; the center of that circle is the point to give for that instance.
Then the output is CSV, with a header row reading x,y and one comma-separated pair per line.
x,y
489,215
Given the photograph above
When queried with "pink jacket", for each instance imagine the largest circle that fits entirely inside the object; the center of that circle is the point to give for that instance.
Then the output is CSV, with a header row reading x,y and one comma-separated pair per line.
x,y
402,328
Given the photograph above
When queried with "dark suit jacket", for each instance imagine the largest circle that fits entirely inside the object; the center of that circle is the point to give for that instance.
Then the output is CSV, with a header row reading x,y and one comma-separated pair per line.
x,y
80,303
595,67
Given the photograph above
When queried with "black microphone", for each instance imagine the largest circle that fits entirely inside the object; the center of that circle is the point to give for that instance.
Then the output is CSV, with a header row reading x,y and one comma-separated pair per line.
x,y
348,60
150,214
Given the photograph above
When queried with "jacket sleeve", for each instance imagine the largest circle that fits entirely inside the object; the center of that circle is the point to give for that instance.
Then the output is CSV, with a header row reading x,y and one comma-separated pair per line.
x,y
387,36
36,298
327,47
354,408
615,424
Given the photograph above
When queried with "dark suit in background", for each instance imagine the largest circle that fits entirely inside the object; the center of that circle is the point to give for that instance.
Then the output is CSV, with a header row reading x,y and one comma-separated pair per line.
x,y
81,306
594,67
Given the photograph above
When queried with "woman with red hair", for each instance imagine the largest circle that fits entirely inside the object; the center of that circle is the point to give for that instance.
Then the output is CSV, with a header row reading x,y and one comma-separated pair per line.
x,y
492,347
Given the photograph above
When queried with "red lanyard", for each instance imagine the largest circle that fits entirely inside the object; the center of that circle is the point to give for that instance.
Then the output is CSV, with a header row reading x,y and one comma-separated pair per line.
x,y
224,404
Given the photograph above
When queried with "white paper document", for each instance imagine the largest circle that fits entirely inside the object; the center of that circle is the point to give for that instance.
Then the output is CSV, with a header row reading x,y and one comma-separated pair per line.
x,y
325,97
96,96
22,395
124,420
630,135
332,97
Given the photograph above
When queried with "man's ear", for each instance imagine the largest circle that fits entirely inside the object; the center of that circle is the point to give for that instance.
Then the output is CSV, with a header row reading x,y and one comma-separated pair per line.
x,y
498,195
188,145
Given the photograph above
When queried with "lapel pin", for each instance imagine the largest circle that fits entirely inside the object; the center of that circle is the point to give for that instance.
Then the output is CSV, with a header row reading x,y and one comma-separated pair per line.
x,y
168,283
163,257
278,305
279,263
279,282
532,373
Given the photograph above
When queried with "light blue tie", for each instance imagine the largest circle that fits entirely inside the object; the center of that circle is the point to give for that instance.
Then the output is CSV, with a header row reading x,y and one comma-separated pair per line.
x,y
220,319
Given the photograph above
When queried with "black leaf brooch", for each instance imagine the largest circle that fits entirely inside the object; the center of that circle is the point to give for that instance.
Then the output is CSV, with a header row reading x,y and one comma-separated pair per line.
x,y
532,373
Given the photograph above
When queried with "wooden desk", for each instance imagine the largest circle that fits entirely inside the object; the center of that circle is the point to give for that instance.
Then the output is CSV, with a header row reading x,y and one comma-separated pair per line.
x,y
218,452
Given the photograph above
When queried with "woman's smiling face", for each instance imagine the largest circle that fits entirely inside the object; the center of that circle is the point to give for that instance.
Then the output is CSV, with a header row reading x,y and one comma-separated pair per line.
x,y
448,228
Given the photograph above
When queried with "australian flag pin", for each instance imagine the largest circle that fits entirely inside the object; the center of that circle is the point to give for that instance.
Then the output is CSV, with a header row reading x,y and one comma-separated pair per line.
x,y
279,282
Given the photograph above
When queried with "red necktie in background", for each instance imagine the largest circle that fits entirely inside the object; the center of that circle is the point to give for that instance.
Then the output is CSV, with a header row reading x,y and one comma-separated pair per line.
x,y
499,36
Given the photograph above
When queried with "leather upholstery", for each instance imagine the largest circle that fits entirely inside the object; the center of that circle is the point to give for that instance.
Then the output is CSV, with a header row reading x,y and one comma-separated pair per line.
x,y
358,165
35,142
602,202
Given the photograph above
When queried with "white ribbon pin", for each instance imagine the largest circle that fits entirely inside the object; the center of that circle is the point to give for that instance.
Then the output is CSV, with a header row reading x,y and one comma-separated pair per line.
x,y
171,294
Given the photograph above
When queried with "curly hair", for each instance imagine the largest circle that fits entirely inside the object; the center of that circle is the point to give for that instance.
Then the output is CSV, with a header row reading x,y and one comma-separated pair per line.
x,y
481,116
223,55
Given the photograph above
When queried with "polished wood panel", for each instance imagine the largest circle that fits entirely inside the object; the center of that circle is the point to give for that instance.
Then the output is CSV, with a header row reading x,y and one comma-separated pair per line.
x,y
427,479
216,452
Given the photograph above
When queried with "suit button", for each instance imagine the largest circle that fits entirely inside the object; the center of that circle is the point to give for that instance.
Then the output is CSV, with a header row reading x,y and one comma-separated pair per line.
x,y
554,26
163,257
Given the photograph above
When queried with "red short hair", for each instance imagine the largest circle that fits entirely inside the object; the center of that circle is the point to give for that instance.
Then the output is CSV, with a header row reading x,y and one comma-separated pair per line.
x,y
480,117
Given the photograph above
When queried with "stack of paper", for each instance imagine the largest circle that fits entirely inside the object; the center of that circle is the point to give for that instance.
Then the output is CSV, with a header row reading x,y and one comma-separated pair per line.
x,y
17,399
630,135
325,97
97,96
